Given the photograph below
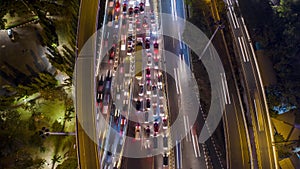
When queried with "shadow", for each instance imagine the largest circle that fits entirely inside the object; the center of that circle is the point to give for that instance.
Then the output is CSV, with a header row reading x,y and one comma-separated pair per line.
x,y
32,72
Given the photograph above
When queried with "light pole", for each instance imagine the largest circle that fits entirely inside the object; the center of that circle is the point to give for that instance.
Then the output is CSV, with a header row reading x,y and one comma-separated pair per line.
x,y
220,26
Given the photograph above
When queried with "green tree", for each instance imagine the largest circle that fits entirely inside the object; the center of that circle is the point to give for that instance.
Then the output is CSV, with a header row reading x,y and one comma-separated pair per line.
x,y
69,163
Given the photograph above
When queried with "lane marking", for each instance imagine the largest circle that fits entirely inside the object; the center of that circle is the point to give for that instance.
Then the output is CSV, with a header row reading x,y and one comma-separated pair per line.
x,y
194,146
176,82
226,87
224,92
179,81
233,21
241,48
245,48
237,22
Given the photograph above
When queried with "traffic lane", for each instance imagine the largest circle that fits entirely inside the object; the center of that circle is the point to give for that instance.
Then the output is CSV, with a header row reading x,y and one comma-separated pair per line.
x,y
251,82
140,163
87,21
86,147
188,154
85,100
264,148
238,148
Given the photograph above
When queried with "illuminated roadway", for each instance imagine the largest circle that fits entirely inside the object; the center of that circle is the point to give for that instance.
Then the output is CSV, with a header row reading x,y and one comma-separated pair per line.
x,y
84,86
261,135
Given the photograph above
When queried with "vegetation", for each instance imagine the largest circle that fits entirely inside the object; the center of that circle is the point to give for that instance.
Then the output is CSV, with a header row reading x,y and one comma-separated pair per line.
x,y
277,29
23,116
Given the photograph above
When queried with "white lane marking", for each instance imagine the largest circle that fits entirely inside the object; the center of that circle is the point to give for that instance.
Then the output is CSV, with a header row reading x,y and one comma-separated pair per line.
x,y
230,3
242,49
224,90
172,9
175,11
226,87
186,128
194,146
177,154
179,81
197,145
233,21
176,82
257,119
246,30
237,22
245,48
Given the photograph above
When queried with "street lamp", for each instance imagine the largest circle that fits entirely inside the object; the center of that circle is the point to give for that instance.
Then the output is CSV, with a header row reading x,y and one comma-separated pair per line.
x,y
220,26
44,132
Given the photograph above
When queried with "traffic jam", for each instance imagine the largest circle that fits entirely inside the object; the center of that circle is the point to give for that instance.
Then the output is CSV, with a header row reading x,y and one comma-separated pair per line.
x,y
133,28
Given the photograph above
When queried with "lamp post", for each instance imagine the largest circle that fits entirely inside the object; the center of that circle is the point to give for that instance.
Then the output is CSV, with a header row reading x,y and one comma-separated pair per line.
x,y
220,26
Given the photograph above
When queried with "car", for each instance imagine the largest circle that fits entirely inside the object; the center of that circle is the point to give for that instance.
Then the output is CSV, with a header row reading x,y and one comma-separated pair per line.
x,y
155,45
117,6
141,90
152,18
129,51
147,132
138,105
165,123
99,97
137,132
110,4
124,9
136,10
108,157
110,19
10,33
148,87
159,79
138,27
142,9
165,142
145,24
148,72
122,123
100,84
154,90
147,44
148,103
149,61
156,127
130,11
165,160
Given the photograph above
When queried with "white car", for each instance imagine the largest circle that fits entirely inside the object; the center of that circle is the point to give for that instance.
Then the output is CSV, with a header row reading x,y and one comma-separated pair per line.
x,y
137,132
149,61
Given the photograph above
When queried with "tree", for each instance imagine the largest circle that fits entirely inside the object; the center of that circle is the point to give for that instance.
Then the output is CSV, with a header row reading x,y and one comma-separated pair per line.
x,y
69,163
56,159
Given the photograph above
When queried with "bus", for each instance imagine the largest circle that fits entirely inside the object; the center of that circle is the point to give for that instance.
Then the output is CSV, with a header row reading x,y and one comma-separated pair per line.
x,y
139,62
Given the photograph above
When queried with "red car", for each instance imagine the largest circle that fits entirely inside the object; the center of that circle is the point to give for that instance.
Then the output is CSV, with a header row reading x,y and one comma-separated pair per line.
x,y
117,6
156,127
122,124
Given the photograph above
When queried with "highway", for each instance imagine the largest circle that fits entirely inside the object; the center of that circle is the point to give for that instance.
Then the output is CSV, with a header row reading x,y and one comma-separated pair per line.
x,y
238,146
261,134
84,86
189,153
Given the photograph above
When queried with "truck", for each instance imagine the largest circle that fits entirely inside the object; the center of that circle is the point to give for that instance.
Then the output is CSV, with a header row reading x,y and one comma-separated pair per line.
x,y
139,62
